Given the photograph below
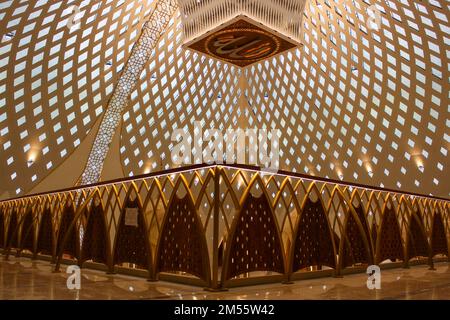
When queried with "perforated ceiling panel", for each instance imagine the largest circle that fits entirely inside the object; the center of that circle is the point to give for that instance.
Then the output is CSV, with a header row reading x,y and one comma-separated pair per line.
x,y
354,103
58,66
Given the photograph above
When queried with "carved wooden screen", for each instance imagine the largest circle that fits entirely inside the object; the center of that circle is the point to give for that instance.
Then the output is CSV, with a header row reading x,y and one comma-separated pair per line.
x,y
354,248
439,243
2,228
45,238
254,244
389,245
72,240
95,240
374,234
27,234
417,240
12,234
313,242
182,245
132,241
365,224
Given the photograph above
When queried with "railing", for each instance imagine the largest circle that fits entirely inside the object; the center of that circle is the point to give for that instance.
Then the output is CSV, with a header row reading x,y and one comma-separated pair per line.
x,y
221,226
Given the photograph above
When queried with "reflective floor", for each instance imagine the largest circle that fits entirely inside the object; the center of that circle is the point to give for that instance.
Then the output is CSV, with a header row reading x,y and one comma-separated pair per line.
x,y
24,279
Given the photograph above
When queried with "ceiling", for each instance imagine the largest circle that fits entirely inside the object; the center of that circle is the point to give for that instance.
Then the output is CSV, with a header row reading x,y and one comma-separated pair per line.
x,y
353,103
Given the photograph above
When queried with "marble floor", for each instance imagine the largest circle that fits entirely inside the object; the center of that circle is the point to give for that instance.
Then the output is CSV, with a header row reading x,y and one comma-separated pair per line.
x,y
21,278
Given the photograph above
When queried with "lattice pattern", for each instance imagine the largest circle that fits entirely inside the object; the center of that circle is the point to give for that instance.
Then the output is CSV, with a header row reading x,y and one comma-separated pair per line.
x,y
55,80
285,196
132,245
363,219
142,51
439,242
2,228
183,245
12,235
417,239
314,242
46,233
95,239
27,233
255,244
389,241
355,250
71,246
351,103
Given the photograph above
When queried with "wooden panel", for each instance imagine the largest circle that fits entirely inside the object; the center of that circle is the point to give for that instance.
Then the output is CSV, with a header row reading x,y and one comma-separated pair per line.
x,y
390,239
182,245
45,238
27,234
355,249
439,242
132,242
313,242
95,240
255,243
11,237
417,240
72,241
2,228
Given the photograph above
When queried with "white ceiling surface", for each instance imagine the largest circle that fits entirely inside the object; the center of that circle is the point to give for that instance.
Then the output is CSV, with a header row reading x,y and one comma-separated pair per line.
x,y
364,105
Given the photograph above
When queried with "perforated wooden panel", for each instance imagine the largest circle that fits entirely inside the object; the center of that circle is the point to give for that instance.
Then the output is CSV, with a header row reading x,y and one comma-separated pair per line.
x,y
439,243
354,249
45,237
95,236
2,228
27,233
132,244
365,224
72,243
182,246
255,243
313,243
390,239
417,241
11,238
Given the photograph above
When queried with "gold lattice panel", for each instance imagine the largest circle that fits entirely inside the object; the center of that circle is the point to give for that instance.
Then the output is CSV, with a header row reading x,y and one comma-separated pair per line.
x,y
353,103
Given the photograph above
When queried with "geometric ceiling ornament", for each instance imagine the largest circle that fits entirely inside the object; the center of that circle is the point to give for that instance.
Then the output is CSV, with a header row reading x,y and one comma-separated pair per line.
x,y
284,16
242,42
240,31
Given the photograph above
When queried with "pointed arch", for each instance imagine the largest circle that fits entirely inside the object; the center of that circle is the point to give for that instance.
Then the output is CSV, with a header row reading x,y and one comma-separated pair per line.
x,y
96,243
313,238
11,234
45,243
417,244
439,242
389,239
132,240
255,241
355,243
71,246
357,204
2,226
374,212
182,244
27,238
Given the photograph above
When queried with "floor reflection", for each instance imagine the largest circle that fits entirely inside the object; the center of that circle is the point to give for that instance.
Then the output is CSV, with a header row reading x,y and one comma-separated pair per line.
x,y
22,279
